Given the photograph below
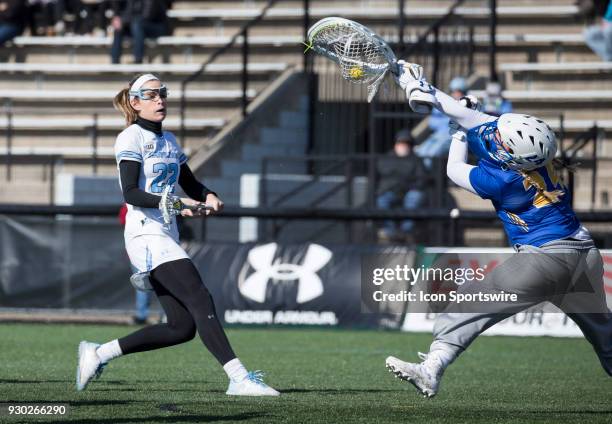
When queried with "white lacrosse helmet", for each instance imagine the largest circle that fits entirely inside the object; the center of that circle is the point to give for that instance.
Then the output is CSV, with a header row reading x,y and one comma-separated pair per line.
x,y
517,141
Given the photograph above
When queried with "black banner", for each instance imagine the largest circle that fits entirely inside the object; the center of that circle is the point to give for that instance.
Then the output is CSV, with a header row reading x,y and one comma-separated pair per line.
x,y
302,284
66,262
81,263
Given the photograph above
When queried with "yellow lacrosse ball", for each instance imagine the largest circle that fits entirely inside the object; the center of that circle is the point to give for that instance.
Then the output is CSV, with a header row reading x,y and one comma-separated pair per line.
x,y
355,72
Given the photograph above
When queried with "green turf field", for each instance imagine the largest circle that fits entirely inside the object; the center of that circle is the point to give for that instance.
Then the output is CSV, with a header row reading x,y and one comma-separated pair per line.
x,y
324,376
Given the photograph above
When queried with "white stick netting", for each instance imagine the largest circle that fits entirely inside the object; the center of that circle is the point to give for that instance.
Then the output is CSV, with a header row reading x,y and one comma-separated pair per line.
x,y
360,56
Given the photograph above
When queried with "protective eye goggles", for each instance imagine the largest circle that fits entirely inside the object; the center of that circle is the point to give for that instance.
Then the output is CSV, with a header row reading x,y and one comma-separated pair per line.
x,y
150,93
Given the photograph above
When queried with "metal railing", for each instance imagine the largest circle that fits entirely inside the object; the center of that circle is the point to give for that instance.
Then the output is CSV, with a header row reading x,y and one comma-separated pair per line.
x,y
344,123
572,159
49,163
493,40
93,131
453,224
429,45
340,181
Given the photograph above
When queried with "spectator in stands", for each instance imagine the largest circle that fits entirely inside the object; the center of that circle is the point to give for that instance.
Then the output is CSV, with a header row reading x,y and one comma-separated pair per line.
x,y
13,18
599,36
82,16
142,19
402,178
591,10
493,102
42,17
437,144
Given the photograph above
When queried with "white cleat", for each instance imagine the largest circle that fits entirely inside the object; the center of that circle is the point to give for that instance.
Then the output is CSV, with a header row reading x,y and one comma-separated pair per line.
x,y
425,376
251,385
89,364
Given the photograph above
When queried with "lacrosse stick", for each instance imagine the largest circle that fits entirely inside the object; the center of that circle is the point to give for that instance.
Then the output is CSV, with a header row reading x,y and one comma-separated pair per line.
x,y
363,57
171,205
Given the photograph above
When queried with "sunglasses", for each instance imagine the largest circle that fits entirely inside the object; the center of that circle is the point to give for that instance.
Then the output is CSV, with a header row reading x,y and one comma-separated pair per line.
x,y
150,93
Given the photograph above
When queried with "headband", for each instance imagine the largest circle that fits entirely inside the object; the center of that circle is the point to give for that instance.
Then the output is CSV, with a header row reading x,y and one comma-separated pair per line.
x,y
134,88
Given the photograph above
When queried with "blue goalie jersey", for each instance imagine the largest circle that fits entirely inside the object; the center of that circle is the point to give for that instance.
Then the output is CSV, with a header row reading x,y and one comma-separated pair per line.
x,y
529,217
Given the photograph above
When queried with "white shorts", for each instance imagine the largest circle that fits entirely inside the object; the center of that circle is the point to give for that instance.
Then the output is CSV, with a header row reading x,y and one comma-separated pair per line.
x,y
148,251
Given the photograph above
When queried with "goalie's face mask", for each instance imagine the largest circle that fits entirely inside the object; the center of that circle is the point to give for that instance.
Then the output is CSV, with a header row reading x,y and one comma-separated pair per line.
x,y
485,142
150,101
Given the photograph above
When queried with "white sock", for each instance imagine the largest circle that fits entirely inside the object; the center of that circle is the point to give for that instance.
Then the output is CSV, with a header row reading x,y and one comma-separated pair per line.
x,y
235,370
444,357
108,351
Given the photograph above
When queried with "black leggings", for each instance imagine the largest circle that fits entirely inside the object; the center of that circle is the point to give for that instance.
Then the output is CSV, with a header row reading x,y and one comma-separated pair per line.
x,y
188,306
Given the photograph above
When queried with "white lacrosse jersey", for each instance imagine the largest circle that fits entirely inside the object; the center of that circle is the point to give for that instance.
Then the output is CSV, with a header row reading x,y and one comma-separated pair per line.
x,y
161,158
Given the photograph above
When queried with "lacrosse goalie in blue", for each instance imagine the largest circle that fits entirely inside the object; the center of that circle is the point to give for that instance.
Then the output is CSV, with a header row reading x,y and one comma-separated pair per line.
x,y
555,253
533,205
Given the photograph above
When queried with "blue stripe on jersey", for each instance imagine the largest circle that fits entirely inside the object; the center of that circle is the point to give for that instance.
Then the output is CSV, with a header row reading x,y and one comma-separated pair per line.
x,y
127,154
528,216
182,158
149,259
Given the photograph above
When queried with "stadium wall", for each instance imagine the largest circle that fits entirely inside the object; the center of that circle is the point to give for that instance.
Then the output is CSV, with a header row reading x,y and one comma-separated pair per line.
x,y
80,263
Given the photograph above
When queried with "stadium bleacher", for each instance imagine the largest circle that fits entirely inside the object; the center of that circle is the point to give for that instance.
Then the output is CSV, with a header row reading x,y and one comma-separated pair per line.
x,y
64,80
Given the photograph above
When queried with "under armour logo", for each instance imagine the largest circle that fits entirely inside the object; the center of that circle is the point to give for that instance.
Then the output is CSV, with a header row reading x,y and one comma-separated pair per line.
x,y
261,258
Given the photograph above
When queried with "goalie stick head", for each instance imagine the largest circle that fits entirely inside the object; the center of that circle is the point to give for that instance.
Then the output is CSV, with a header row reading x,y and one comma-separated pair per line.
x,y
363,56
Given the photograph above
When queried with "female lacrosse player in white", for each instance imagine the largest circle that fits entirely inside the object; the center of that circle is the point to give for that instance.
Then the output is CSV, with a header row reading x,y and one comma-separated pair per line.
x,y
556,254
149,159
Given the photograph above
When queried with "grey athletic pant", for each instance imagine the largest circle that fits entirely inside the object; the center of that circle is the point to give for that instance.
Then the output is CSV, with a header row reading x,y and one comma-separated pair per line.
x,y
567,273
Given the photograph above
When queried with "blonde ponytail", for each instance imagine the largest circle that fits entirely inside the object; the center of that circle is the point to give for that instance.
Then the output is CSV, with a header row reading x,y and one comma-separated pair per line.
x,y
121,102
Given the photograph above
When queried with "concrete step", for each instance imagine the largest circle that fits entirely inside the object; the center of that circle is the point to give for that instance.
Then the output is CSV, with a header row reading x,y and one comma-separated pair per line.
x,y
548,13
111,124
155,57
294,120
288,136
82,83
575,76
193,48
225,229
278,186
22,172
88,189
303,104
226,187
56,75
58,96
235,168
26,192
574,105
256,152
